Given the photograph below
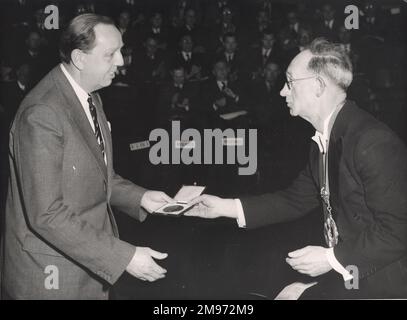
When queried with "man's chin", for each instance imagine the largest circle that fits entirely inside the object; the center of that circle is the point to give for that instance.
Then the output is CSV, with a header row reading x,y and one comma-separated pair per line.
x,y
293,113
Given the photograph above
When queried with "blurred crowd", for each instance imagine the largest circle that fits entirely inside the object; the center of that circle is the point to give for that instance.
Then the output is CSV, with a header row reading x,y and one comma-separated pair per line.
x,y
211,64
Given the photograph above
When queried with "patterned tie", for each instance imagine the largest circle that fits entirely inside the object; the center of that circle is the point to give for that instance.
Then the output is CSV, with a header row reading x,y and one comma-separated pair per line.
x,y
98,132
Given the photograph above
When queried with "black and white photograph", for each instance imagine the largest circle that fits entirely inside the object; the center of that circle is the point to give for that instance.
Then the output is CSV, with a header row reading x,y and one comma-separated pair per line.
x,y
203,150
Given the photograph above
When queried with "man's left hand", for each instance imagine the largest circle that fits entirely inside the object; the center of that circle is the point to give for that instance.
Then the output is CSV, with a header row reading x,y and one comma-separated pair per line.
x,y
311,260
152,200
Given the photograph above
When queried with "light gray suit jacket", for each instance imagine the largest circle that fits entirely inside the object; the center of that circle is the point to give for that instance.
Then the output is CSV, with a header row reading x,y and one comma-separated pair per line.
x,y
58,212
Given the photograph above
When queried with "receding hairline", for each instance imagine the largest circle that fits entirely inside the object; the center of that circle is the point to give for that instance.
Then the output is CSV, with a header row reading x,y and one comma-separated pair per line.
x,y
100,33
300,65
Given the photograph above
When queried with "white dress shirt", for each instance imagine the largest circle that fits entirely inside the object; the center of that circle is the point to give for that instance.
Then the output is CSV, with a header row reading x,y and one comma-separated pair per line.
x,y
83,99
187,55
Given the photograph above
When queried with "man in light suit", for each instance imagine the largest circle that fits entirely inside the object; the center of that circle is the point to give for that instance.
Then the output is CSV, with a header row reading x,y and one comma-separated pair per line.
x,y
61,240
357,171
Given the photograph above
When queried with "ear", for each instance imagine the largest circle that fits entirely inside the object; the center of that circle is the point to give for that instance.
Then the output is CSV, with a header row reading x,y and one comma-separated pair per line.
x,y
78,58
320,86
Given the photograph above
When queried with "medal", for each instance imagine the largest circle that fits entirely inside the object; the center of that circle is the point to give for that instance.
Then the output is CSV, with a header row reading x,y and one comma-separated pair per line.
x,y
330,229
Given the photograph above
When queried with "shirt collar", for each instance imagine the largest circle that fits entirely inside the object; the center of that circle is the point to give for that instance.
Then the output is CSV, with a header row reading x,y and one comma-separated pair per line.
x,y
80,93
266,51
221,84
21,86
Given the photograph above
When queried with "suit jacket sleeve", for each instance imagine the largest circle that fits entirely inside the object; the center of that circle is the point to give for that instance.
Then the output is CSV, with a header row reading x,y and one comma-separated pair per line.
x,y
282,206
39,148
126,196
381,162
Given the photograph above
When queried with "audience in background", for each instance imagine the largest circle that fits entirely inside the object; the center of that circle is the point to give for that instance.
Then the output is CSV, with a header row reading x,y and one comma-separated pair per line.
x,y
177,53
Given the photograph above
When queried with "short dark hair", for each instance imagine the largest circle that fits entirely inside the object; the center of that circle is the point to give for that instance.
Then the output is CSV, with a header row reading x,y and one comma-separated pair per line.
x,y
80,34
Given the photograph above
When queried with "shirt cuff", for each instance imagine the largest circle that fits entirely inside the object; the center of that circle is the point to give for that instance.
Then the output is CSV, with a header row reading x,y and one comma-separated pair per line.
x,y
337,266
241,220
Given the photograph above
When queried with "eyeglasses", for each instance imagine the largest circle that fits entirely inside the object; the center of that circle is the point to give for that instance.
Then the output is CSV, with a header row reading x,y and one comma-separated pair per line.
x,y
289,82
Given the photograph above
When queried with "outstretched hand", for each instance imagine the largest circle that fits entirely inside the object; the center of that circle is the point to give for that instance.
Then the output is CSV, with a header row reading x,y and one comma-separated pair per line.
x,y
152,200
210,207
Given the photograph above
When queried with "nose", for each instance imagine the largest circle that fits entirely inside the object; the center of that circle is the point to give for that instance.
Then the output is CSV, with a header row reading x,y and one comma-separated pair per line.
x,y
284,91
119,59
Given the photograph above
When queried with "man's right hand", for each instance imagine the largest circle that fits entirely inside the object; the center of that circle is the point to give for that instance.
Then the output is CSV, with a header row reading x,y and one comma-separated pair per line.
x,y
143,266
210,207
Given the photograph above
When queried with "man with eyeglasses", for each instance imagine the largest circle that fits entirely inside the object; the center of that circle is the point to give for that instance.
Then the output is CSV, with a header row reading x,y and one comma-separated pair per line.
x,y
357,172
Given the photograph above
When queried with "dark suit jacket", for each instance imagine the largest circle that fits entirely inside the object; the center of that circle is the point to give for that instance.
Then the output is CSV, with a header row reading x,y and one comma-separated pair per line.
x,y
168,111
11,96
238,65
197,59
368,181
58,210
269,109
211,92
146,70
258,62
321,30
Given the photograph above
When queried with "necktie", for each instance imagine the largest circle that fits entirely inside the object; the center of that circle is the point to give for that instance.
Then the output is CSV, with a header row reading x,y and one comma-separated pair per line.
x,y
330,228
98,132
223,85
265,57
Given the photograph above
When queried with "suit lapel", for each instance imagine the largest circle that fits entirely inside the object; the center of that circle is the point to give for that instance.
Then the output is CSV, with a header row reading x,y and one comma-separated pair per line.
x,y
105,129
336,148
109,153
334,156
79,118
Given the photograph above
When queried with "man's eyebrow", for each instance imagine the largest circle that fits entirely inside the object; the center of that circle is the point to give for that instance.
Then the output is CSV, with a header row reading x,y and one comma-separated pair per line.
x,y
113,49
288,74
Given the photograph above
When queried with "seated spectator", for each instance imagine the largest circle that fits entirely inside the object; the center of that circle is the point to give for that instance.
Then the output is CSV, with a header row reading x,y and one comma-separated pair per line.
x,y
328,26
287,43
157,29
35,56
190,27
178,99
13,92
179,9
293,22
256,32
214,11
373,22
304,38
148,66
193,62
223,100
124,24
217,31
234,57
267,52
269,108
